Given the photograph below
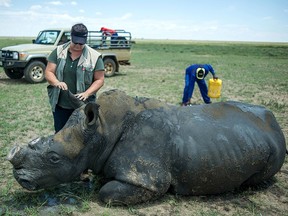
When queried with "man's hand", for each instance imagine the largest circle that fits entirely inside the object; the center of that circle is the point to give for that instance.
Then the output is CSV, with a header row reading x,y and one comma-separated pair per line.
x,y
61,85
82,96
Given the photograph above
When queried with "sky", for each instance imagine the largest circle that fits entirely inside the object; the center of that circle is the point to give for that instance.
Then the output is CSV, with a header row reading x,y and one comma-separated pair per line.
x,y
215,20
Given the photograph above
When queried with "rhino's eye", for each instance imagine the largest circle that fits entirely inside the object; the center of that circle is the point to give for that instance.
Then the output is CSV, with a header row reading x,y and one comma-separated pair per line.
x,y
54,158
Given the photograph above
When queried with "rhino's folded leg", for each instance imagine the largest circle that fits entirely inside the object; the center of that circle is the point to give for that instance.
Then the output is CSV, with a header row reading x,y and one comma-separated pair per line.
x,y
120,193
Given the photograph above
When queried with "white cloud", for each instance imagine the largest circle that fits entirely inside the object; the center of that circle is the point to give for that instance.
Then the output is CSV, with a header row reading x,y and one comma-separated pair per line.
x,y
35,7
40,16
55,3
5,3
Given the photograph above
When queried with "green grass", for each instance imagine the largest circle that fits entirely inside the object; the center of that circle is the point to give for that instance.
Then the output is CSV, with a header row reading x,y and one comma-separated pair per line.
x,y
251,72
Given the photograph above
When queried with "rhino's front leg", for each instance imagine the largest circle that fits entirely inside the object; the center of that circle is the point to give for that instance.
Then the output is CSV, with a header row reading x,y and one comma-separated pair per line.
x,y
119,193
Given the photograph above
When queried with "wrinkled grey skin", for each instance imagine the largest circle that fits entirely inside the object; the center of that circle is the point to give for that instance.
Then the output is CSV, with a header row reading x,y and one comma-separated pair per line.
x,y
144,152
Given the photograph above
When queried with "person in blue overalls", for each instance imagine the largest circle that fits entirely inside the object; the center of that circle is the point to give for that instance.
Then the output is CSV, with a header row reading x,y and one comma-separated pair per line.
x,y
197,73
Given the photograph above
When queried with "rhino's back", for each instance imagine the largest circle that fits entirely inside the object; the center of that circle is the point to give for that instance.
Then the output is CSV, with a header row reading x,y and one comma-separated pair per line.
x,y
230,142
196,149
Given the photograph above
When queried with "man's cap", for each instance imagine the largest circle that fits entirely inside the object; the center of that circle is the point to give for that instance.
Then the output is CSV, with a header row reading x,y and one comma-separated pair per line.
x,y
79,33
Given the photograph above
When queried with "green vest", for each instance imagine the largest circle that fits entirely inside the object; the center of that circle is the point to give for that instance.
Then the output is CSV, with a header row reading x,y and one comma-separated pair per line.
x,y
84,73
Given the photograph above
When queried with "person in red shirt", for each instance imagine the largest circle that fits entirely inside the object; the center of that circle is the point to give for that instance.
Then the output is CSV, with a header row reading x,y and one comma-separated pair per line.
x,y
109,32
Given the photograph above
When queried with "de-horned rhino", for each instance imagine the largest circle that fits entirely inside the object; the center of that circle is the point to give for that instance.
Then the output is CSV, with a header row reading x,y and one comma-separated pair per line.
x,y
144,148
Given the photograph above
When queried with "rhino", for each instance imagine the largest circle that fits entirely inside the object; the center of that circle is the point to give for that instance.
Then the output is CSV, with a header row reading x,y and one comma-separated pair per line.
x,y
144,148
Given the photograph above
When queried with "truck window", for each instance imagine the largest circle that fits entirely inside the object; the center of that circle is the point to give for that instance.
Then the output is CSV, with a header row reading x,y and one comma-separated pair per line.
x,y
47,37
65,38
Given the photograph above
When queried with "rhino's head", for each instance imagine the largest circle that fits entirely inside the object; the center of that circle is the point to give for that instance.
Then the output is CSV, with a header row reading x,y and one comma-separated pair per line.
x,y
60,158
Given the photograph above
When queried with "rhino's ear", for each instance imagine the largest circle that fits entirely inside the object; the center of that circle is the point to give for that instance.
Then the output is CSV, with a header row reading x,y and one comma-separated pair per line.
x,y
74,102
91,111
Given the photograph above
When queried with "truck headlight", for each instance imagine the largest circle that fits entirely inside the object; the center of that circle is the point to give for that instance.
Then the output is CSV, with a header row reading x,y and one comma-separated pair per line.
x,y
15,55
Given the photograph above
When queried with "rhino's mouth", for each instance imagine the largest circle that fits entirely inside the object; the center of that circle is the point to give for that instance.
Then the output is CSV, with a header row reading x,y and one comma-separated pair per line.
x,y
25,182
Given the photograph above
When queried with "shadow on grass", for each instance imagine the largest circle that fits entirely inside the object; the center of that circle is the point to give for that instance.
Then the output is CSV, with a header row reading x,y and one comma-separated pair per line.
x,y
76,196
73,195
117,74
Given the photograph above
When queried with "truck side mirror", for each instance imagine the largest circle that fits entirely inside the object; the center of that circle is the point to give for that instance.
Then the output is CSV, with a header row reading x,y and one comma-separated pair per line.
x,y
33,41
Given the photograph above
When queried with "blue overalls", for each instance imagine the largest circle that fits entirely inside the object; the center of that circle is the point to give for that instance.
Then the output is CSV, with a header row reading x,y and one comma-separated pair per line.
x,y
190,79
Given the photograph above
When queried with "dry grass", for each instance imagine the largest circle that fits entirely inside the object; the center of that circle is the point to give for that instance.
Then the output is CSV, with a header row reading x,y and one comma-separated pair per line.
x,y
251,72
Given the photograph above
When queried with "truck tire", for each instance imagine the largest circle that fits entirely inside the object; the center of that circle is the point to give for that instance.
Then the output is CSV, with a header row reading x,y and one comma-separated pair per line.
x,y
110,67
14,74
35,72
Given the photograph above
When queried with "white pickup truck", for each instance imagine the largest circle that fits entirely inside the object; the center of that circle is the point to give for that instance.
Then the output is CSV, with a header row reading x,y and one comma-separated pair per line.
x,y
30,60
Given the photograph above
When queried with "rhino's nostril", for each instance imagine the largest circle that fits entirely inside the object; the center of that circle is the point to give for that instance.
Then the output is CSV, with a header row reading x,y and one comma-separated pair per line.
x,y
18,167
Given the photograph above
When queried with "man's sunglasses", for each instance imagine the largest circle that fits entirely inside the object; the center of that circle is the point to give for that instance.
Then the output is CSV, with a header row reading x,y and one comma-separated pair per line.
x,y
78,44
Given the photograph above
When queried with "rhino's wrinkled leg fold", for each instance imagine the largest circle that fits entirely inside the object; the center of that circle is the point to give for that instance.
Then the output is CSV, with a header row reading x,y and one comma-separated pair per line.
x,y
119,193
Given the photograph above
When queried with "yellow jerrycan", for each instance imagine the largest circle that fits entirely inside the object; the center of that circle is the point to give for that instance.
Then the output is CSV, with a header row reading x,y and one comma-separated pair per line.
x,y
214,88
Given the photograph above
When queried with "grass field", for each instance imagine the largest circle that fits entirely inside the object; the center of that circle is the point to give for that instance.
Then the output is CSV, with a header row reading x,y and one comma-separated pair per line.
x,y
251,72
